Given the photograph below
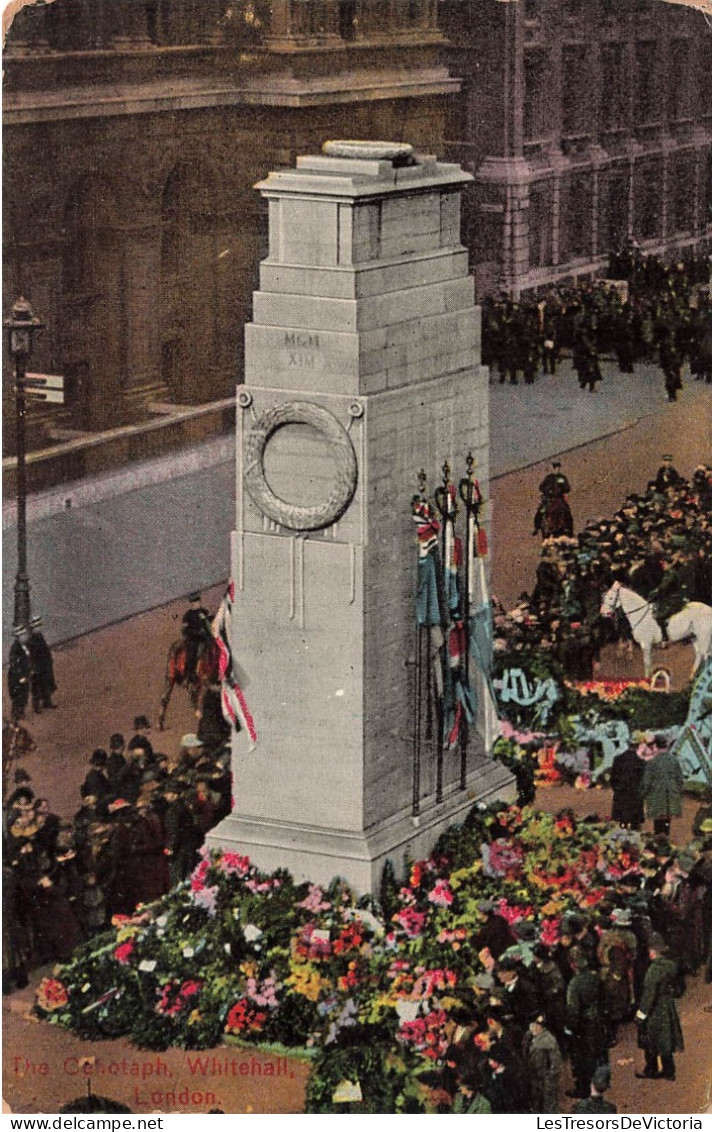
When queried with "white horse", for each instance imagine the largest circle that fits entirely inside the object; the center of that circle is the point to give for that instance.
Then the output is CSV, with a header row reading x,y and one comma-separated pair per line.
x,y
694,620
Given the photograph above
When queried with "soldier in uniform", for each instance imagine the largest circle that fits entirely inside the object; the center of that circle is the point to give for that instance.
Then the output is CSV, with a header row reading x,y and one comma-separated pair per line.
x,y
667,476
19,673
660,1033
545,1063
195,630
43,682
585,1022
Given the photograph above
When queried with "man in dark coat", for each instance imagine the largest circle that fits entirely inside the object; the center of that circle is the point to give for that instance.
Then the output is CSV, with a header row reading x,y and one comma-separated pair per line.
x,y
44,684
667,476
662,787
626,782
545,1062
585,1023
495,934
660,1033
596,1102
507,1089
97,784
19,672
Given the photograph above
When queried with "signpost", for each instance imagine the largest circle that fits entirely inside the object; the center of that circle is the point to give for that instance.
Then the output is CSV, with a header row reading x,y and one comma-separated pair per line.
x,y
44,387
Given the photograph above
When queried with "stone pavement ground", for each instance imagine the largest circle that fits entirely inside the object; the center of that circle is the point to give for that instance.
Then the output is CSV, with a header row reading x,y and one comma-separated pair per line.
x,y
530,423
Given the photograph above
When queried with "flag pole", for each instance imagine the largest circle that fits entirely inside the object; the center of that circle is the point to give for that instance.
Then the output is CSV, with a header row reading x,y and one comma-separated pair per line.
x,y
442,498
417,721
470,508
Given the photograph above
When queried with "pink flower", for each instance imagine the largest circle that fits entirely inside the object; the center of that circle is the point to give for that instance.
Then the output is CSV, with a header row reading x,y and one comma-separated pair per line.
x,y
234,864
441,894
314,900
411,921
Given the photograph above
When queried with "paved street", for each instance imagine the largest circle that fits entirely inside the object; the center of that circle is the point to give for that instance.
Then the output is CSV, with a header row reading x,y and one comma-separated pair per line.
x,y
108,676
108,548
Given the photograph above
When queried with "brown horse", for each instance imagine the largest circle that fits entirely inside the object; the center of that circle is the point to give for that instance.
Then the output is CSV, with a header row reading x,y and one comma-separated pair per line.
x,y
553,517
178,672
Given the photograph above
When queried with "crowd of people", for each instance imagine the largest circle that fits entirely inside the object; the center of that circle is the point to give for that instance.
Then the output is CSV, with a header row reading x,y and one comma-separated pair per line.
x,y
624,962
136,834
659,544
645,312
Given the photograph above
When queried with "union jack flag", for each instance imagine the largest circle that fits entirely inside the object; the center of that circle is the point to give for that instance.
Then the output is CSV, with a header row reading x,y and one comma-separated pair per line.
x,y
234,704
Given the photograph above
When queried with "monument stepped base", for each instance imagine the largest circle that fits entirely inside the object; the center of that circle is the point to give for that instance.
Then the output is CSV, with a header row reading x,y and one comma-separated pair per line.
x,y
318,854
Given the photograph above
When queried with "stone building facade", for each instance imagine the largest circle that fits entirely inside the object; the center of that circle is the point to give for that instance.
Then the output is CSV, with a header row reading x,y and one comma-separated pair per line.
x,y
586,123
134,133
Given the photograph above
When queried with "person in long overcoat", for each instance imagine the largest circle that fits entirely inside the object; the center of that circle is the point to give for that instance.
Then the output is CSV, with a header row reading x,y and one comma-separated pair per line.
x,y
660,1032
586,1023
44,684
662,787
626,782
545,1063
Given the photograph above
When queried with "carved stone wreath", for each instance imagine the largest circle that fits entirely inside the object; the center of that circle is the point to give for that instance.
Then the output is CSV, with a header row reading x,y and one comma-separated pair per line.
x,y
292,515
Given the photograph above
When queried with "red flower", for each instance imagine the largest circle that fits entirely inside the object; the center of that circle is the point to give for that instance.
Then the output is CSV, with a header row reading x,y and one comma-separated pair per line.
x,y
123,952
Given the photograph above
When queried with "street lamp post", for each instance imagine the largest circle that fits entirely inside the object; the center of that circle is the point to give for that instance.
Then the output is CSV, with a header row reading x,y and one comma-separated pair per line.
x,y
21,329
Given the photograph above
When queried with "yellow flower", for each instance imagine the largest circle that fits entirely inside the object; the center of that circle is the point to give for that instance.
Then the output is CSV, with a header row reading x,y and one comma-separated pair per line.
x,y
194,1017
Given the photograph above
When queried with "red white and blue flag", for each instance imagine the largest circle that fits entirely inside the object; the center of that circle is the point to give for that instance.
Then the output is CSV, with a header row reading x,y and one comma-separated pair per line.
x,y
234,704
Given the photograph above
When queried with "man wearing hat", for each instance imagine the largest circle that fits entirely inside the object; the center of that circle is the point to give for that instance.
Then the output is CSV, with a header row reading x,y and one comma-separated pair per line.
x,y
44,684
662,786
96,784
195,630
667,476
659,1031
596,1102
545,1063
19,672
140,740
585,1022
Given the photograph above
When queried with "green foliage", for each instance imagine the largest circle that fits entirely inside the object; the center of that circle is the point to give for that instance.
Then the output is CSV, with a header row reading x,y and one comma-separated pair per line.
x,y
388,890
650,711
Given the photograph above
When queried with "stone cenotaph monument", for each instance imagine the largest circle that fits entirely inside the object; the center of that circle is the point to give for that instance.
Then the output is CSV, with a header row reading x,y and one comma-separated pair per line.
x,y
362,368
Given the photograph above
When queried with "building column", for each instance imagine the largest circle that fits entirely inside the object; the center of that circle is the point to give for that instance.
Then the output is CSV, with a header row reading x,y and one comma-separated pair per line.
x,y
142,273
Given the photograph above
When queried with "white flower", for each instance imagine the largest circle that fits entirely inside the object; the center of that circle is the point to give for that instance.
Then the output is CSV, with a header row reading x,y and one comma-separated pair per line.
x,y
407,1010
147,965
188,952
251,933
86,987
228,949
162,920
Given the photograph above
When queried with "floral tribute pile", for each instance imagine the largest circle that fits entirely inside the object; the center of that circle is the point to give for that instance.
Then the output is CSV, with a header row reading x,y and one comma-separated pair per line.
x,y
372,988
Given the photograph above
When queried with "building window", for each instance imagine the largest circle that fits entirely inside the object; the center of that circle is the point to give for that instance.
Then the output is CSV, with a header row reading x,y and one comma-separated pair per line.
x,y
575,92
648,202
682,194
536,91
540,225
680,87
575,233
613,231
647,82
614,87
